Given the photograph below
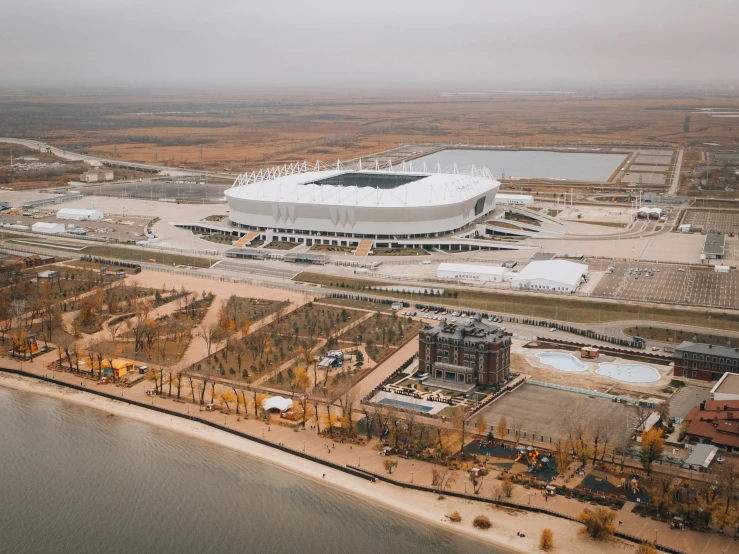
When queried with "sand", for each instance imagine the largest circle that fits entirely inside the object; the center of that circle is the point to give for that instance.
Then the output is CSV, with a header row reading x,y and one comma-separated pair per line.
x,y
419,505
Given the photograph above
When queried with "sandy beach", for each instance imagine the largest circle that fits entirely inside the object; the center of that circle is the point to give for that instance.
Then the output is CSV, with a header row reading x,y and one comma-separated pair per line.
x,y
420,505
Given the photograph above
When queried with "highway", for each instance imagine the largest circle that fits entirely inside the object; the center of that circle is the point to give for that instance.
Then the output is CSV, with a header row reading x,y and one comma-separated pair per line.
x,y
74,156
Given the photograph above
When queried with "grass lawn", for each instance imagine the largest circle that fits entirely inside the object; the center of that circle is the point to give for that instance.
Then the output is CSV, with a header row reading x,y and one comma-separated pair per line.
x,y
575,310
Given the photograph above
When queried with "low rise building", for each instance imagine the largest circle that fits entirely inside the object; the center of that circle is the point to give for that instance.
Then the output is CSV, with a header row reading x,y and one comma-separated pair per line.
x,y
97,175
76,214
727,388
469,272
714,422
462,356
551,275
713,247
706,362
47,227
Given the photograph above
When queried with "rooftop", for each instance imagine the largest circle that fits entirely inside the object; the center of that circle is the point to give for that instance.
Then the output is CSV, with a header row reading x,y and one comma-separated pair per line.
x,y
717,420
473,330
728,384
703,348
471,268
714,245
553,270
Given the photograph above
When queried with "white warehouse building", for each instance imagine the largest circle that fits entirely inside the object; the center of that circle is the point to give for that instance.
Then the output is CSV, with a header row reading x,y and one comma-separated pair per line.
x,y
47,227
469,272
76,214
551,275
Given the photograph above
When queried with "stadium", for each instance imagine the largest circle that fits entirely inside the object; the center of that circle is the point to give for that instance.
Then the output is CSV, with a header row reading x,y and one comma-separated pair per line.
x,y
394,203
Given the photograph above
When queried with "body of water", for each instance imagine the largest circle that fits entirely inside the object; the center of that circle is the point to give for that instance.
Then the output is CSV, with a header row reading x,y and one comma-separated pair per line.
x,y
76,480
533,164
562,362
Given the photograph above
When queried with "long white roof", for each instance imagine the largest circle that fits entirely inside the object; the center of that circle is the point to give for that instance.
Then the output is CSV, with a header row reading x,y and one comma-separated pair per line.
x,y
430,189
560,271
471,268
78,211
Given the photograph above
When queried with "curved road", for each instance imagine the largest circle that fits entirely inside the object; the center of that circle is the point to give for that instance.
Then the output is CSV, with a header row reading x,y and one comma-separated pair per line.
x,y
74,156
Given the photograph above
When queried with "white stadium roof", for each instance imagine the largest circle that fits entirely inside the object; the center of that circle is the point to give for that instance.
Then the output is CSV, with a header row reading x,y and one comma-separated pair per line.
x,y
425,188
560,271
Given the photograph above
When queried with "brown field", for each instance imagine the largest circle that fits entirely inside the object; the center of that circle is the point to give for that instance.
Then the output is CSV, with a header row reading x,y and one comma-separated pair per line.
x,y
256,129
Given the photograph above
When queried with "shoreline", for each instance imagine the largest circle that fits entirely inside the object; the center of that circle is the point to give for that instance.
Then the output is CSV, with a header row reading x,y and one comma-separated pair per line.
x,y
418,505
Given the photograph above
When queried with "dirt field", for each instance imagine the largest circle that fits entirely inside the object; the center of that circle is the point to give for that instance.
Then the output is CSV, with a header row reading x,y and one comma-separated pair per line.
x,y
253,129
533,410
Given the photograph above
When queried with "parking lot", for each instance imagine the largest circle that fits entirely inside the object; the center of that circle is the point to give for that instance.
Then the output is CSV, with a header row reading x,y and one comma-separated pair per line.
x,y
534,410
668,283
720,222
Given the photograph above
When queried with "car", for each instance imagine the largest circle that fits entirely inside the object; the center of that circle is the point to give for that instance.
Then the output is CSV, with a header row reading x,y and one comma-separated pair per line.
x,y
455,314
552,329
681,269
210,407
654,349
454,320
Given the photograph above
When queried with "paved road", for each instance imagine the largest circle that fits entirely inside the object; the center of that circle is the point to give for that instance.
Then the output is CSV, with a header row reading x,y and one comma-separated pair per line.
x,y
676,176
74,156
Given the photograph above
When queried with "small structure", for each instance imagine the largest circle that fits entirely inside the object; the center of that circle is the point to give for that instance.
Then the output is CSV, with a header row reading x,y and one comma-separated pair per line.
x,y
48,276
47,227
279,404
727,388
685,228
117,368
397,306
721,268
551,275
514,199
589,353
96,176
307,258
713,247
469,272
76,214
246,253
701,457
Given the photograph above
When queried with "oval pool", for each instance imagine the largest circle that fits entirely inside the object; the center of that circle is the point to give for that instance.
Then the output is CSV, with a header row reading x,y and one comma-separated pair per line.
x,y
562,362
628,373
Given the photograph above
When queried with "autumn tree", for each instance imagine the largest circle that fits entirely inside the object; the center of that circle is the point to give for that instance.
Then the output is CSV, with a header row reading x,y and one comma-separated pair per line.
x,y
652,447
460,426
546,541
646,548
389,464
442,479
599,523
502,428
562,456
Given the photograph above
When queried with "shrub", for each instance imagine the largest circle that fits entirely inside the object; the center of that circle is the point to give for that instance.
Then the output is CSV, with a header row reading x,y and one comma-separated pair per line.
x,y
546,542
598,523
482,522
454,517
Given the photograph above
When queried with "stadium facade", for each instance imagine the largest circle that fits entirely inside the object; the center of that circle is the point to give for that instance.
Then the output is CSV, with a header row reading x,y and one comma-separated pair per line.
x,y
305,200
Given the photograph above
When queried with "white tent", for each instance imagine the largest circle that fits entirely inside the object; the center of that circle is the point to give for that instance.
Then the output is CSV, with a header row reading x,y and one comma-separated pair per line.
x,y
551,275
278,403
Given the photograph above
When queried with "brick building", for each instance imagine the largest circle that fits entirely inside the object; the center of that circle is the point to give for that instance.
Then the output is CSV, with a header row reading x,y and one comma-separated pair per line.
x,y
706,362
461,356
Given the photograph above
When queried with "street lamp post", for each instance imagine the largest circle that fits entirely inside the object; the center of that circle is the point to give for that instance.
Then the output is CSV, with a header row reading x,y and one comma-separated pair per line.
x,y
303,446
359,461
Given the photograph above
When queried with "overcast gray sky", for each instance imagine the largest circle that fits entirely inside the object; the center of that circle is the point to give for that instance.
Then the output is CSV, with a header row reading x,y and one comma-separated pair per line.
x,y
450,45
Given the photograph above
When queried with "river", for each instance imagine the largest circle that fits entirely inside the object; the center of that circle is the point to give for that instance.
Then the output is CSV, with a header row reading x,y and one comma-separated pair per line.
x,y
76,480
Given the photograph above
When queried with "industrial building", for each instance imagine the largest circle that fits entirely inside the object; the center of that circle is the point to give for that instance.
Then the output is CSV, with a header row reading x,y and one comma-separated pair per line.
x,y
47,227
97,175
461,356
714,247
705,361
355,204
551,275
469,272
76,214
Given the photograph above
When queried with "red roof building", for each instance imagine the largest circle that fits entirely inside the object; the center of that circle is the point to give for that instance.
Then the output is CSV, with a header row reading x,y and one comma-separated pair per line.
x,y
715,422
